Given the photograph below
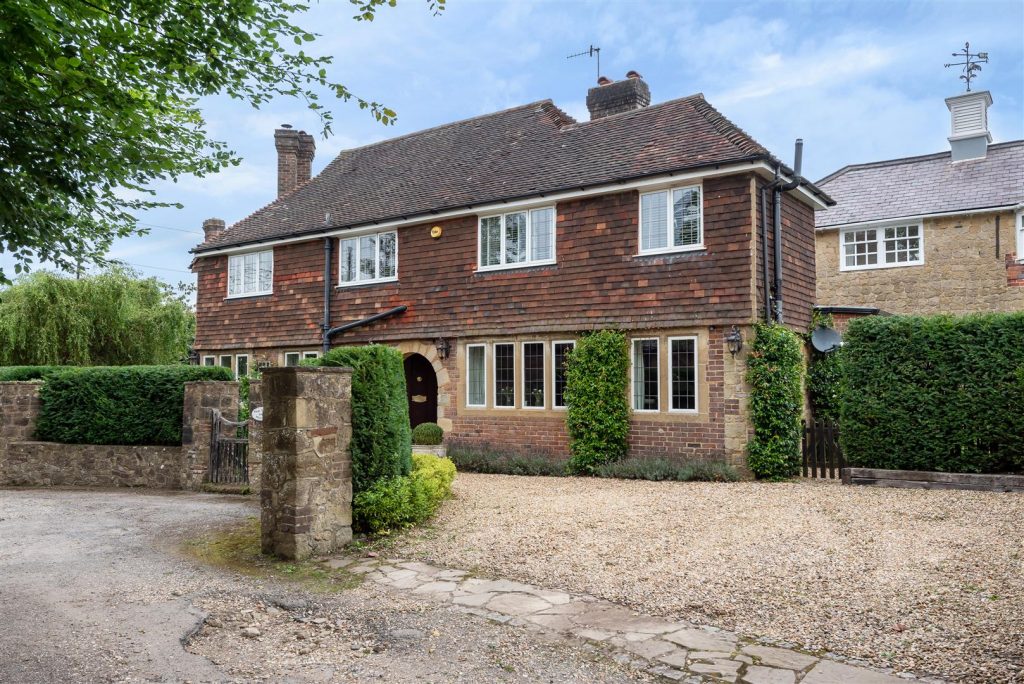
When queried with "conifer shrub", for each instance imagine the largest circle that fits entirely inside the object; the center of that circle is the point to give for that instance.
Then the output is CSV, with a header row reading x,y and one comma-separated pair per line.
x,y
775,373
381,446
597,400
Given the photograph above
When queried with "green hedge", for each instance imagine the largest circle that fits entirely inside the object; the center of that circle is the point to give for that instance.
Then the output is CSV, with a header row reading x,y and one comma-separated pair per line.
x,y
939,393
775,373
597,397
397,502
824,372
118,404
427,434
381,438
26,373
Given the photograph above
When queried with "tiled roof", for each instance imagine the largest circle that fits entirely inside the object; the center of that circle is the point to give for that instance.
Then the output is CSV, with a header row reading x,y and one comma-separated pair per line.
x,y
517,153
917,186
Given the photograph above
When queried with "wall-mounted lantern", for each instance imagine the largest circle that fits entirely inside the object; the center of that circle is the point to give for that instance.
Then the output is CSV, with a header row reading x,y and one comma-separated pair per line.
x,y
443,347
735,340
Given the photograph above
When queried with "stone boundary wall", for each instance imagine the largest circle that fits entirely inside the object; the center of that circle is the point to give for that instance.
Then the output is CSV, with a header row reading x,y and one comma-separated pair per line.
x,y
24,462
51,464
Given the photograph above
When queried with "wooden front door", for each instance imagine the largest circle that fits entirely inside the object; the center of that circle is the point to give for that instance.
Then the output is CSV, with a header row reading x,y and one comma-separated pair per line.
x,y
421,384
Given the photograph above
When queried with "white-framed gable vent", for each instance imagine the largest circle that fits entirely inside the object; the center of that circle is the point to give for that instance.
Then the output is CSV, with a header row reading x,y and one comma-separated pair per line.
x,y
969,134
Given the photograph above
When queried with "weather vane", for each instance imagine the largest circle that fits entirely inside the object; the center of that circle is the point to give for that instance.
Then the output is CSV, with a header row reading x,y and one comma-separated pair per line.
x,y
971,64
592,52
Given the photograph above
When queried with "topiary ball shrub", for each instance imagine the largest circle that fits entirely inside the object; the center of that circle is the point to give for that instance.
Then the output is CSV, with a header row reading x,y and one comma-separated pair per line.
x,y
427,434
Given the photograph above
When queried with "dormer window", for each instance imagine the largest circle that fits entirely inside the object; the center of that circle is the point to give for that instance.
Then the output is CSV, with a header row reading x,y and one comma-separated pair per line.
x,y
519,238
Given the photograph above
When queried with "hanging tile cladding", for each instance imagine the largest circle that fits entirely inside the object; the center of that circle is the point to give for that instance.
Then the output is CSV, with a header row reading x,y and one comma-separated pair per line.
x,y
598,281
798,248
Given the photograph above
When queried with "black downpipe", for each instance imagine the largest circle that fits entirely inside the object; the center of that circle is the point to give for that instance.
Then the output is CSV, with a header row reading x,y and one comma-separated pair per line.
x,y
777,189
328,334
328,250
766,287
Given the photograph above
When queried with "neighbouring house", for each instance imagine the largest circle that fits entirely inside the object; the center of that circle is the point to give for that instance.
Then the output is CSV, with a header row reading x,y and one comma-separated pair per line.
x,y
940,233
483,248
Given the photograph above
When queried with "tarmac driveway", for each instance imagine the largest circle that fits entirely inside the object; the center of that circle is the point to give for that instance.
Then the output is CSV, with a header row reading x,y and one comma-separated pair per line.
x,y
93,588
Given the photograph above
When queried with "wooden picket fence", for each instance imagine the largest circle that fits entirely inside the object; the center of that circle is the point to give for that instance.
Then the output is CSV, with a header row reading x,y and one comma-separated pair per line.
x,y
822,455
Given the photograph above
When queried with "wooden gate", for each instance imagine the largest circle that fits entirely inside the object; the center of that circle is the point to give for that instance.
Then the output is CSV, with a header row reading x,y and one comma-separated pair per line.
x,y
229,451
823,457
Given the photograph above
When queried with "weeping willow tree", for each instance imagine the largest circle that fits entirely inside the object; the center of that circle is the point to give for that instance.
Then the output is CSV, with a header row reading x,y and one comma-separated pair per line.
x,y
110,319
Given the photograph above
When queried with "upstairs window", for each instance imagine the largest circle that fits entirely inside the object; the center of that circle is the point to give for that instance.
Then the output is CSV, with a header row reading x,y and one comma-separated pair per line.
x,y
251,274
368,258
881,247
671,220
520,238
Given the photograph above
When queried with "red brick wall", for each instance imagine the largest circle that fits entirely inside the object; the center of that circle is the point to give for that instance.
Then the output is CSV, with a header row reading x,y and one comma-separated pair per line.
x,y
1014,270
798,274
597,282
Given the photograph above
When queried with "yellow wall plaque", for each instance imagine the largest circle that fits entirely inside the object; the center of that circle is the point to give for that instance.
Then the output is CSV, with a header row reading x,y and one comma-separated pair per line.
x,y
435,232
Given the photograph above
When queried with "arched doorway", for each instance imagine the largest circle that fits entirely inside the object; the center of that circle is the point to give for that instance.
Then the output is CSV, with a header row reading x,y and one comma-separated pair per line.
x,y
421,385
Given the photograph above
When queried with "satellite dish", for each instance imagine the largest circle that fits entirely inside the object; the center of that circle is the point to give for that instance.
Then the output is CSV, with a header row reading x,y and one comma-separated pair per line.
x,y
826,340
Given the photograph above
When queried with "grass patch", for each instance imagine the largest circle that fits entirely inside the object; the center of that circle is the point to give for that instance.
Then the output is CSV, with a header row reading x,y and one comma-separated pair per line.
x,y
237,548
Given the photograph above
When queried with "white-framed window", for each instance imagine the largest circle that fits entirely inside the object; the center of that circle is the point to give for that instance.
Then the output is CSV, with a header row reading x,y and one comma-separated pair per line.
x,y
671,220
227,361
560,350
1020,235
310,355
682,380
646,380
505,375
533,375
251,274
209,360
368,259
881,247
519,238
292,358
241,365
476,375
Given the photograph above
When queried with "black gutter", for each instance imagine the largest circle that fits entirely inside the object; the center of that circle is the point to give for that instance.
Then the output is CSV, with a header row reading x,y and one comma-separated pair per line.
x,y
426,215
328,249
328,334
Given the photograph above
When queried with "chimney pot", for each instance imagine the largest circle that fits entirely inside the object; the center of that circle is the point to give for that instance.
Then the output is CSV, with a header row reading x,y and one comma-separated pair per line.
x,y
615,97
212,227
603,80
633,74
295,152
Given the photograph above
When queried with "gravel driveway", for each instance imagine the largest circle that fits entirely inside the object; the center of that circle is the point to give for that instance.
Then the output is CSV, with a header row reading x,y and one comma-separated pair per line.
x,y
94,588
930,582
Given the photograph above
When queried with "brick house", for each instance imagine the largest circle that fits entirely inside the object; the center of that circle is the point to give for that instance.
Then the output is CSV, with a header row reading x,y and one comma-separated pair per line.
x,y
483,248
940,233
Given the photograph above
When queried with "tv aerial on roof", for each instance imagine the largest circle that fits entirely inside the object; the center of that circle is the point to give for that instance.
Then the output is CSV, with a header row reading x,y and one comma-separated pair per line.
x,y
591,52
826,340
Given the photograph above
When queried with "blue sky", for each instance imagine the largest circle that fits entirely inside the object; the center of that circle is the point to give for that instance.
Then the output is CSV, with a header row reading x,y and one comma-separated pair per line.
x,y
859,81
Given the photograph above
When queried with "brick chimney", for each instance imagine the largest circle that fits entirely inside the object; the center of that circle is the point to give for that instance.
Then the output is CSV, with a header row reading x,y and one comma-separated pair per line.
x,y
614,97
295,151
969,135
212,227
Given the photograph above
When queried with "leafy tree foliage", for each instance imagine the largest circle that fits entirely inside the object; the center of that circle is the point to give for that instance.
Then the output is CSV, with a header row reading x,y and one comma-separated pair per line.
x,y
111,319
775,374
824,372
100,99
597,399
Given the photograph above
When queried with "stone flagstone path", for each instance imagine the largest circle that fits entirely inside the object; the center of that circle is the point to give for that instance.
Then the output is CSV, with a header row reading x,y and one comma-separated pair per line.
x,y
678,651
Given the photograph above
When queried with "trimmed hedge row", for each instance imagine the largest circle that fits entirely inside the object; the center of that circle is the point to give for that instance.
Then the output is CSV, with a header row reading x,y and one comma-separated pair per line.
x,y
26,373
939,393
381,438
117,404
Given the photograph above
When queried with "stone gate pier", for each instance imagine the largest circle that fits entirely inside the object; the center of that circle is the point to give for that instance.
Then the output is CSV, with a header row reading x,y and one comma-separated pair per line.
x,y
306,487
